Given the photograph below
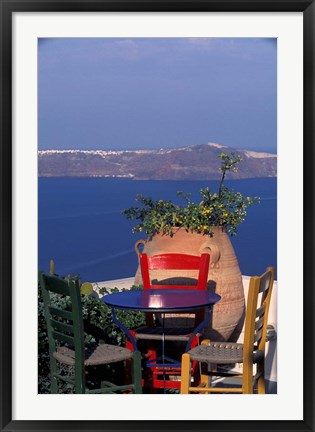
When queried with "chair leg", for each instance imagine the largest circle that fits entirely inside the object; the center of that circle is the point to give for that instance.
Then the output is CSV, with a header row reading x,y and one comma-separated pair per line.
x,y
136,372
53,379
261,380
149,375
186,371
129,362
79,379
204,378
195,366
247,379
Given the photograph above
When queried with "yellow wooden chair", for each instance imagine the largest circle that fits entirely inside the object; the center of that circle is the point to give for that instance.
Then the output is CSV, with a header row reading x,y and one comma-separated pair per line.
x,y
249,353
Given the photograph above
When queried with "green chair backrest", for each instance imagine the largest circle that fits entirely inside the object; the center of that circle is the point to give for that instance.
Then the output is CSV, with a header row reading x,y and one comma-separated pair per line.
x,y
64,325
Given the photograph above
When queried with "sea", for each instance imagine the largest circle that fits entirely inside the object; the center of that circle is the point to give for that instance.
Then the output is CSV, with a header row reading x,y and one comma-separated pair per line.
x,y
81,227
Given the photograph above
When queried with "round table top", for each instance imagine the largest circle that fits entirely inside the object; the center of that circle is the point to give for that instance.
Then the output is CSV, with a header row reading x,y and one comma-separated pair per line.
x,y
161,300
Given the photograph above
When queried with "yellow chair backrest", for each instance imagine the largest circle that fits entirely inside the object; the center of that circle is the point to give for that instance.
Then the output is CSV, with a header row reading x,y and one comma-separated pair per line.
x,y
258,302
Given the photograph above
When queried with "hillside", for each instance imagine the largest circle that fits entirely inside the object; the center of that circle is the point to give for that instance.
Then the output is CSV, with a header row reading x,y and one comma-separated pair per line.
x,y
197,162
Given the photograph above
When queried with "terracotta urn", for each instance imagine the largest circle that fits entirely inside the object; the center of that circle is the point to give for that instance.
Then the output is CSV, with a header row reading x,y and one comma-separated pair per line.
x,y
224,276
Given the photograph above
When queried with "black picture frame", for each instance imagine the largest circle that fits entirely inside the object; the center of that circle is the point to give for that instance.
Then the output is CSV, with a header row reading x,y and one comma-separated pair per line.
x,y
7,8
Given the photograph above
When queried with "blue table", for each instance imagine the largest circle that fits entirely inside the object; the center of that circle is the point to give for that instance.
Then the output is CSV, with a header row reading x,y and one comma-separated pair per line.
x,y
162,301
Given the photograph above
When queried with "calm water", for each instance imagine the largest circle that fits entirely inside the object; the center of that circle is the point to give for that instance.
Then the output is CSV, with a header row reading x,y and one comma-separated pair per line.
x,y
81,226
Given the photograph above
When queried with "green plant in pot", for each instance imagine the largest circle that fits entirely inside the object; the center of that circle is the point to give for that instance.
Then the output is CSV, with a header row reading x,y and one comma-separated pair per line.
x,y
225,208
195,228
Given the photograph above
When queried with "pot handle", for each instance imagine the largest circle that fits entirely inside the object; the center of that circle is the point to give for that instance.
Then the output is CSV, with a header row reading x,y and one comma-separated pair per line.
x,y
137,244
213,249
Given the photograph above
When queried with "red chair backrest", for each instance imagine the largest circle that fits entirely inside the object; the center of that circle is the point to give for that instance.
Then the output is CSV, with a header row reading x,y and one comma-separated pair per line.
x,y
174,261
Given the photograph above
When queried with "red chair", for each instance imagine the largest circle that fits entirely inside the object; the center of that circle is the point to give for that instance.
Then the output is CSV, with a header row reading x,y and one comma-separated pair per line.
x,y
151,333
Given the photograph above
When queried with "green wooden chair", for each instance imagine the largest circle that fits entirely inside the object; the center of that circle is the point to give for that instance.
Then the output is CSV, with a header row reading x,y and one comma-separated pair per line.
x,y
66,340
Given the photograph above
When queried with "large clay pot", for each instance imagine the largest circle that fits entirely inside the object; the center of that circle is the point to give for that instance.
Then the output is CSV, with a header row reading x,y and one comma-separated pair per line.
x,y
224,275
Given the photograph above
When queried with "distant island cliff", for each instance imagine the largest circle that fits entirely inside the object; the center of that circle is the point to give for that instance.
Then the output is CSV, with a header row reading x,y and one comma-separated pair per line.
x,y
196,162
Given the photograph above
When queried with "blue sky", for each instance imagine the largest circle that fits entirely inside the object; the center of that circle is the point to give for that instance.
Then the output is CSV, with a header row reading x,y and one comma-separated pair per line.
x,y
144,93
